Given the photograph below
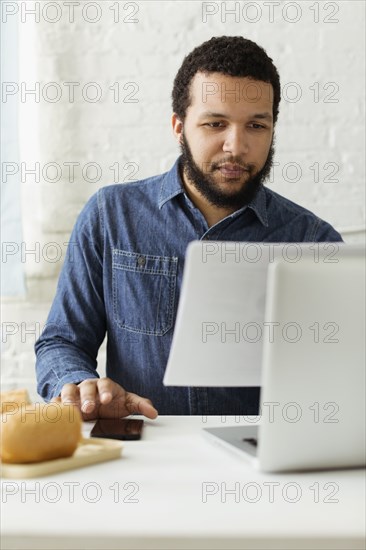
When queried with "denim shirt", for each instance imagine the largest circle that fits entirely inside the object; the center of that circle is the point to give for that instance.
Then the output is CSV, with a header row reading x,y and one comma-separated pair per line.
x,y
122,277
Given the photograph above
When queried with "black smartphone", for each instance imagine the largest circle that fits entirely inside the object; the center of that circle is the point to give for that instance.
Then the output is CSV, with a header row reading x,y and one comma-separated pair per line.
x,y
118,428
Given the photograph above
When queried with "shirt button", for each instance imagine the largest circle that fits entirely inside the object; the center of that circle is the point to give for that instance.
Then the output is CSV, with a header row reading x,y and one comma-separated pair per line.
x,y
141,261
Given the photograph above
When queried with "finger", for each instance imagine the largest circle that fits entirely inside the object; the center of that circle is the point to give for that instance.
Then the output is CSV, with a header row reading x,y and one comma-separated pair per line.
x,y
136,404
107,390
88,395
70,394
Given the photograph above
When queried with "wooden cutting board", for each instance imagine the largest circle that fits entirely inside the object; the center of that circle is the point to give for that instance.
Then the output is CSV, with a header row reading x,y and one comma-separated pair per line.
x,y
89,451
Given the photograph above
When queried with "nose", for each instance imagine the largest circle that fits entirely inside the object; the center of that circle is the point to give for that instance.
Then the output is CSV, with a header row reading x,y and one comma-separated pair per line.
x,y
236,142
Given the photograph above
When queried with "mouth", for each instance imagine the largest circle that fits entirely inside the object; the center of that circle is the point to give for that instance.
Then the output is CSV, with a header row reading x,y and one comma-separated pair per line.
x,y
232,170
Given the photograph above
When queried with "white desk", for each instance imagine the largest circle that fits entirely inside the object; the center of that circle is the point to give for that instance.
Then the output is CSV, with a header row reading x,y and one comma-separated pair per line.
x,y
167,491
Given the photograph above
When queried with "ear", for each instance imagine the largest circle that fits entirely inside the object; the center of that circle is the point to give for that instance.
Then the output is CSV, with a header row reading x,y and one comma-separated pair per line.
x,y
177,125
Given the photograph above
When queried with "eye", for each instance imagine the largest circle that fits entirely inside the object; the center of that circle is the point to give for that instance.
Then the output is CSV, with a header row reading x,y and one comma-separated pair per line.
x,y
257,126
214,124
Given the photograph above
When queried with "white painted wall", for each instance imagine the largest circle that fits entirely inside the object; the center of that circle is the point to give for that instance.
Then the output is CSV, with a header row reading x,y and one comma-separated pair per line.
x,y
318,48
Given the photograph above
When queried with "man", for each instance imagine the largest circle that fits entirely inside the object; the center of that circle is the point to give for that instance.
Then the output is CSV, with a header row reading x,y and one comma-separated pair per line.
x,y
123,270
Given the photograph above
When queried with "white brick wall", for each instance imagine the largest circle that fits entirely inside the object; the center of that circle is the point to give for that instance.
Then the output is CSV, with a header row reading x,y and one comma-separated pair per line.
x,y
144,56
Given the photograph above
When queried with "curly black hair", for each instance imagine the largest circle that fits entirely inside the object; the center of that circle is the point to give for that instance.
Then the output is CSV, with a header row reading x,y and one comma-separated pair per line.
x,y
229,55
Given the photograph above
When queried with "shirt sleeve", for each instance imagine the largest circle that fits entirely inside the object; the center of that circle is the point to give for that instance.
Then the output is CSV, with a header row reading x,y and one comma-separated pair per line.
x,y
68,346
326,233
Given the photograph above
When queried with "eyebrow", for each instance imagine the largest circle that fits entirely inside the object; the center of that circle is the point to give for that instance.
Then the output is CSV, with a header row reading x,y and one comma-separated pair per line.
x,y
210,114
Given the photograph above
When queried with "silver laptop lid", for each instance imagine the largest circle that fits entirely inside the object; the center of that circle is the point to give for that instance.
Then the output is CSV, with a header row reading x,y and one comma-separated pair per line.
x,y
313,383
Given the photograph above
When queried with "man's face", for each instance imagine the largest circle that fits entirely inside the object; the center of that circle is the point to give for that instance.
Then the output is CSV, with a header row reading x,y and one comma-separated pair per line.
x,y
226,139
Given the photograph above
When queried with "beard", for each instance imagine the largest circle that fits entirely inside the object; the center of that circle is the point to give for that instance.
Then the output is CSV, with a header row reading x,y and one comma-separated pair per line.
x,y
207,186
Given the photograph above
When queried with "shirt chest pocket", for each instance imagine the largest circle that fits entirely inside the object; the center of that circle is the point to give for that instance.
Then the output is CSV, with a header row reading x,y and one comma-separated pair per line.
x,y
144,292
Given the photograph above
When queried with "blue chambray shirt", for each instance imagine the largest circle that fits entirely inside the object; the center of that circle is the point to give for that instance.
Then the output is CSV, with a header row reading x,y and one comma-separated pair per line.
x,y
122,276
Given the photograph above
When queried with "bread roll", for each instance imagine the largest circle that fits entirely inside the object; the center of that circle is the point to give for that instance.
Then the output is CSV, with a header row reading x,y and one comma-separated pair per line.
x,y
39,432
8,398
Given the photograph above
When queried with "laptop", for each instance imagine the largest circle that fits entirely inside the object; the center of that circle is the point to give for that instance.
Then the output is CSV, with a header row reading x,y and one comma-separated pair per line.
x,y
312,360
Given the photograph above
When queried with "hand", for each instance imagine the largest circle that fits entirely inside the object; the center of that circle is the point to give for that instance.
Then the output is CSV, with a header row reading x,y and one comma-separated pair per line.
x,y
103,398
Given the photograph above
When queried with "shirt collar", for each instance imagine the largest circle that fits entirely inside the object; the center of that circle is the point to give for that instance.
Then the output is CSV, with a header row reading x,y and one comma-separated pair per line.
x,y
172,185
258,205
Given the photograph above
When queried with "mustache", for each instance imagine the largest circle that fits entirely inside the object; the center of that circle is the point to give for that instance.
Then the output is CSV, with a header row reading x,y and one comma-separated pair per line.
x,y
249,167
